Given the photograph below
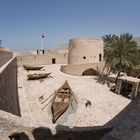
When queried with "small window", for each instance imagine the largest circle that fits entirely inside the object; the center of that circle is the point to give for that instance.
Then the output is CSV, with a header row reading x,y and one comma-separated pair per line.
x,y
100,57
84,57
53,61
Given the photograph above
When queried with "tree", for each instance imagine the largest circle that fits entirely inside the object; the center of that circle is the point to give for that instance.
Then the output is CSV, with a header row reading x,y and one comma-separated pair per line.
x,y
120,52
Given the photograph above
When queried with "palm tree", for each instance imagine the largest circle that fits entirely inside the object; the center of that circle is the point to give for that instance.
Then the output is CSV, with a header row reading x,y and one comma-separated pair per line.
x,y
120,52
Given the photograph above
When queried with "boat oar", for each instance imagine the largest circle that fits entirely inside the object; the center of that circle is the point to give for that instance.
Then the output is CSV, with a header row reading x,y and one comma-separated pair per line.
x,y
47,98
75,100
46,104
72,105
138,75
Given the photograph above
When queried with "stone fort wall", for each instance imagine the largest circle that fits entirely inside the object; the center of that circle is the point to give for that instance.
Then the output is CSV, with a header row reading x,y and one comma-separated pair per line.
x,y
8,87
49,56
85,50
79,69
84,55
5,55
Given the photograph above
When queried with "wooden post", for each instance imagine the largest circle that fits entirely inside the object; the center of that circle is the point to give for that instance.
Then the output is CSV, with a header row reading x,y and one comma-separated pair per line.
x,y
118,86
134,91
137,87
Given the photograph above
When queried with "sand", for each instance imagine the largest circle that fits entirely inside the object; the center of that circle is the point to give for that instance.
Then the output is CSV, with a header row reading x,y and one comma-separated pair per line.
x,y
104,104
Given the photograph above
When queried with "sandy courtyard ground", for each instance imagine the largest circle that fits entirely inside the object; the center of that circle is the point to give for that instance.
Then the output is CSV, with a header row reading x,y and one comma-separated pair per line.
x,y
104,104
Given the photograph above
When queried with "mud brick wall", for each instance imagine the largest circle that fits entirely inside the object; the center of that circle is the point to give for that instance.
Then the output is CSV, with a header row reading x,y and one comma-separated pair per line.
x,y
8,88
5,56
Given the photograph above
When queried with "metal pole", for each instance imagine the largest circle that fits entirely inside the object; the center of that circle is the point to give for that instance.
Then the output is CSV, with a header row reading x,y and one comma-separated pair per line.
x,y
42,43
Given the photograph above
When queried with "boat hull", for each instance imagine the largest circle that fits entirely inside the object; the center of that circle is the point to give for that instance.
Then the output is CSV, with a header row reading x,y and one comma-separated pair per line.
x,y
61,101
37,76
32,67
58,111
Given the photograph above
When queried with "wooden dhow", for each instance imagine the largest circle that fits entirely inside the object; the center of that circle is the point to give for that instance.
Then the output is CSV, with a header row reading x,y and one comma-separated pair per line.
x,y
35,76
29,67
61,101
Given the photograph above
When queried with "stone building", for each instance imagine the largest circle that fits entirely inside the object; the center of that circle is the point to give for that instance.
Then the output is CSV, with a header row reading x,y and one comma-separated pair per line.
x,y
85,50
49,56
85,57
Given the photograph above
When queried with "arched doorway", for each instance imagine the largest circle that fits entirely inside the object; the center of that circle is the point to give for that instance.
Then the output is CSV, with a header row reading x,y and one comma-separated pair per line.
x,y
90,72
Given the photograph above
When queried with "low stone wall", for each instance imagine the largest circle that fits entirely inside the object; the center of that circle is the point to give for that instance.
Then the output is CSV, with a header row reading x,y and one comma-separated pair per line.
x,y
80,68
5,56
50,56
8,88
41,59
19,128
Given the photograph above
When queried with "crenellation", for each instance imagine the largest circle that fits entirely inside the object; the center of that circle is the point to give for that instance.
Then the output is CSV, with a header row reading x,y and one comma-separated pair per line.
x,y
85,39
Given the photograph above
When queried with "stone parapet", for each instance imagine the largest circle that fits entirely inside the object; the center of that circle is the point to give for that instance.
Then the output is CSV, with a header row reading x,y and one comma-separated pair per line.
x,y
5,56
50,56
78,69
8,87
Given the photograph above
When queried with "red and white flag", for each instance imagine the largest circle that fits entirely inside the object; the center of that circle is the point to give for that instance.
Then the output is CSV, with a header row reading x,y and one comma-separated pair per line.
x,y
43,35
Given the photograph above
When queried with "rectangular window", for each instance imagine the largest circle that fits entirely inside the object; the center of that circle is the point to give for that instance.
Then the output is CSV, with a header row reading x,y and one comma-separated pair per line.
x,y
100,57
53,61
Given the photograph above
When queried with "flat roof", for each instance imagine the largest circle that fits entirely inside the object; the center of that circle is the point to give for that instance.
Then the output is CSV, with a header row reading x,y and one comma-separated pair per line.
x,y
130,79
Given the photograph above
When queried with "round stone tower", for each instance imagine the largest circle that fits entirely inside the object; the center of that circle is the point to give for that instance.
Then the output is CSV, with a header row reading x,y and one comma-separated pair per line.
x,y
85,50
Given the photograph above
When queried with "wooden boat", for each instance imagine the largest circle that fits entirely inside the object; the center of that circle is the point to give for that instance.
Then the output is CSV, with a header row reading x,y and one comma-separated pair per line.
x,y
61,101
28,67
35,76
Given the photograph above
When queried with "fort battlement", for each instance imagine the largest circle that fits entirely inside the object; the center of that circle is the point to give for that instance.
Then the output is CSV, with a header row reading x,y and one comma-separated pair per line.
x,y
85,50
85,39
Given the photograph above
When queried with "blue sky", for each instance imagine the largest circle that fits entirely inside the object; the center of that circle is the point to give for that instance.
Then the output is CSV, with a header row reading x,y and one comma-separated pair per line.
x,y
23,21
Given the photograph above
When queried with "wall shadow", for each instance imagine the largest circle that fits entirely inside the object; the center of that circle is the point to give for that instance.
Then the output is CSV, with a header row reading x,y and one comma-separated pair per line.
x,y
126,123
121,127
104,79
130,113
66,133
18,136
100,80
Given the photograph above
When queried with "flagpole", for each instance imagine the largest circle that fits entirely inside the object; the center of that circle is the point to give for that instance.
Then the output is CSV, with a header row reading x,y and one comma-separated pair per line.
x,y
42,40
42,43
